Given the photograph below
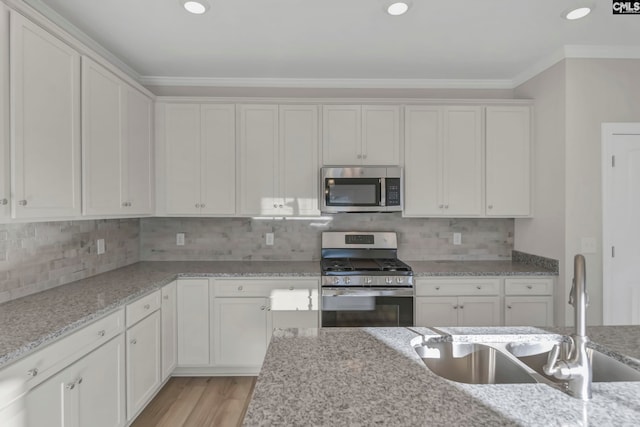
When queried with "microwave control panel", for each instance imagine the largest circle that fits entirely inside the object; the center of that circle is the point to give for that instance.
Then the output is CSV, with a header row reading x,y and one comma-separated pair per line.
x,y
393,191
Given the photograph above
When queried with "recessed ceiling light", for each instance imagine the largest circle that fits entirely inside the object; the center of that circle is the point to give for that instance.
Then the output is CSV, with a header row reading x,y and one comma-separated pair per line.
x,y
197,7
398,8
577,13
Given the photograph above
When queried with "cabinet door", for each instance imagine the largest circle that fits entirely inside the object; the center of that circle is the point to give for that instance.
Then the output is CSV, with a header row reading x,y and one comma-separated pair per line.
x,y
479,311
169,329
528,311
299,166
101,392
45,87
182,158
436,311
241,317
143,362
4,114
462,149
380,134
341,135
47,404
423,161
508,158
193,322
137,182
102,133
258,160
294,305
218,159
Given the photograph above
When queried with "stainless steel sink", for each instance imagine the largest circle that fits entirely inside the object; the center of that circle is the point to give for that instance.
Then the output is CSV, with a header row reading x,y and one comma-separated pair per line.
x,y
471,363
604,368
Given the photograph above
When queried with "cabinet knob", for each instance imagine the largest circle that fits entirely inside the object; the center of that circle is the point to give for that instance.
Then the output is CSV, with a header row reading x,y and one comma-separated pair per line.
x,y
133,341
461,307
359,156
437,288
240,287
268,308
490,206
263,307
124,204
101,332
165,296
440,206
32,372
529,286
290,288
446,206
280,206
455,307
71,386
364,156
22,203
202,205
478,287
509,307
275,205
147,306
197,205
3,202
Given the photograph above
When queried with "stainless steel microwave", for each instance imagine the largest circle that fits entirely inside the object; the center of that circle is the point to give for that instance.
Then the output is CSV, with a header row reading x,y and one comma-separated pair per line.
x,y
361,189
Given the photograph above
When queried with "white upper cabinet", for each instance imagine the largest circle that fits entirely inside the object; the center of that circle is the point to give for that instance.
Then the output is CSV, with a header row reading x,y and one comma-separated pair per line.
x,y
361,135
117,144
5,189
199,158
443,161
45,113
508,161
278,163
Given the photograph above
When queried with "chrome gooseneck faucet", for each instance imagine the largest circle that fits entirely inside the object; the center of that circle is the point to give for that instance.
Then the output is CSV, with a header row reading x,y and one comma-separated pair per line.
x,y
576,368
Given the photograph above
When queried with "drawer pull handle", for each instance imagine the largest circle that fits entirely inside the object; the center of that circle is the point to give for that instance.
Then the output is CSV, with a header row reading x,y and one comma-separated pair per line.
x,y
240,287
32,372
147,306
134,341
529,287
3,202
101,332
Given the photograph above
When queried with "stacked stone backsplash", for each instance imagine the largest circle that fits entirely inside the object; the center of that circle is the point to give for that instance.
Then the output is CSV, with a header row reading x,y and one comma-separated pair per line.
x,y
39,256
299,239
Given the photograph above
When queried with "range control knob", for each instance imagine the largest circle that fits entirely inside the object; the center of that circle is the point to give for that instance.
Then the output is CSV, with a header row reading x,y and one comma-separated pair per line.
x,y
367,280
399,280
388,280
347,280
336,280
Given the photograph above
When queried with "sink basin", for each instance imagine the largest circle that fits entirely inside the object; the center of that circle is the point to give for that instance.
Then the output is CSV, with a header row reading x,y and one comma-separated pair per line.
x,y
471,363
604,368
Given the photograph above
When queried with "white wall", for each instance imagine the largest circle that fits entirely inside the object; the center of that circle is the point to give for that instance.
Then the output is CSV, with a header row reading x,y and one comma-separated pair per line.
x,y
597,91
544,233
572,99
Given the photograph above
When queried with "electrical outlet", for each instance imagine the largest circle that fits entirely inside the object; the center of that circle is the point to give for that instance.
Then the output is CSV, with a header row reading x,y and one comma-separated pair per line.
x,y
180,239
269,238
457,238
100,247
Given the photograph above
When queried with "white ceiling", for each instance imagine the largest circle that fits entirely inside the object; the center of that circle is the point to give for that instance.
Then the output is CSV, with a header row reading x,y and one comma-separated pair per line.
x,y
472,42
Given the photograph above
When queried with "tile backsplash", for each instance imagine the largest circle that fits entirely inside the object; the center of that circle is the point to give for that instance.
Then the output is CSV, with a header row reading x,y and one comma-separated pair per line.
x,y
299,239
39,256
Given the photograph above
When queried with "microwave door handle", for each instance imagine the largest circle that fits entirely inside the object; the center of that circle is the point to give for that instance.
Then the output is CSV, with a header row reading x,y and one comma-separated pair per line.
x,y
383,192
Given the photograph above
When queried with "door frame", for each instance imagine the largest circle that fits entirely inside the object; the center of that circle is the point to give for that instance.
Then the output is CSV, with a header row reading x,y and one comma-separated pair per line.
x,y
609,130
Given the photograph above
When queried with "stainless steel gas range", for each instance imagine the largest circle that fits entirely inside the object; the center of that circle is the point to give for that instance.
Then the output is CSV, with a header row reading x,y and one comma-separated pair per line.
x,y
363,281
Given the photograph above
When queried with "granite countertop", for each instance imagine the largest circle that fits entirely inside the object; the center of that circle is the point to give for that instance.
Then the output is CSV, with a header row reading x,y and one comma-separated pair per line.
x,y
477,268
372,376
33,321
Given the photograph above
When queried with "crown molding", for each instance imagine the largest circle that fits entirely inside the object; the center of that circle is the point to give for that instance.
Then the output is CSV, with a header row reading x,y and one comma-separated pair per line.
x,y
538,67
602,52
329,83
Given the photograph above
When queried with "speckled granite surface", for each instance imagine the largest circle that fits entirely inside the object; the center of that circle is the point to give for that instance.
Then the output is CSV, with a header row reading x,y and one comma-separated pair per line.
x,y
31,322
477,268
372,376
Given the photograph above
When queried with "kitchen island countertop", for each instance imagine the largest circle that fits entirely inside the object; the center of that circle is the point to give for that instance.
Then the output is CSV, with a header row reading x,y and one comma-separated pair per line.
x,y
372,376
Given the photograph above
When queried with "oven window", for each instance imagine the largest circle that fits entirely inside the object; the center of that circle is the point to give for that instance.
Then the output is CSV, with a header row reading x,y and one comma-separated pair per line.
x,y
386,311
353,192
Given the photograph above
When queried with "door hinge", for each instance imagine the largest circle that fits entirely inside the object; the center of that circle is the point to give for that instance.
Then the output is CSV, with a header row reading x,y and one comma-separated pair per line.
x,y
613,251
613,161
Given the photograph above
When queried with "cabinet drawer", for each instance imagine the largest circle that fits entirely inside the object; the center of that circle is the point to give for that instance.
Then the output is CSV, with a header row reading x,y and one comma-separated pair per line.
x,y
453,287
261,287
141,308
528,286
41,365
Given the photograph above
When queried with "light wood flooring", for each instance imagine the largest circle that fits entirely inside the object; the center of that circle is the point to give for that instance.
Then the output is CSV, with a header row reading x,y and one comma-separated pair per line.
x,y
199,402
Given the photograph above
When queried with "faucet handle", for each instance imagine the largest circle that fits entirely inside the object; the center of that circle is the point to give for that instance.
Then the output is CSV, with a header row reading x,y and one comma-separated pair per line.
x,y
550,367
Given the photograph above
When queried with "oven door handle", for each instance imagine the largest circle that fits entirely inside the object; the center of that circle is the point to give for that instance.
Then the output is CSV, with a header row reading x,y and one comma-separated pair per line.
x,y
367,292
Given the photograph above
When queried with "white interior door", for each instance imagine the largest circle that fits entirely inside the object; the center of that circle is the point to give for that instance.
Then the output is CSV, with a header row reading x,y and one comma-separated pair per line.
x,y
621,229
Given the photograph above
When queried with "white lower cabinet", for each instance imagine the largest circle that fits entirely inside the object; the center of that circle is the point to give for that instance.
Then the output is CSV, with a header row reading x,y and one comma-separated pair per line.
x,y
143,357
193,322
168,314
89,392
458,311
528,301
